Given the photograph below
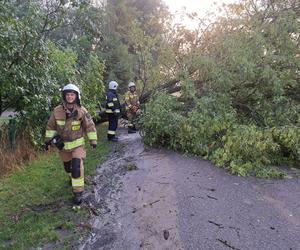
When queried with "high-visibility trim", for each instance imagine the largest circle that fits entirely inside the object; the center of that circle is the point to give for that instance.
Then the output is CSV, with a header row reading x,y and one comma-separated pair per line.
x,y
117,110
75,127
109,111
76,122
92,135
74,144
60,122
115,99
110,104
111,132
50,133
78,182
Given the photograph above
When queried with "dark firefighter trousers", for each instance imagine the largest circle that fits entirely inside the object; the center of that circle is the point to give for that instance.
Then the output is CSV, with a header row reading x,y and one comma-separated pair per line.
x,y
112,125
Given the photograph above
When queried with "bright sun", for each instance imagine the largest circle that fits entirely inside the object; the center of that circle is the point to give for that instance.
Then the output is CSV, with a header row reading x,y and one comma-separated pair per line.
x,y
201,7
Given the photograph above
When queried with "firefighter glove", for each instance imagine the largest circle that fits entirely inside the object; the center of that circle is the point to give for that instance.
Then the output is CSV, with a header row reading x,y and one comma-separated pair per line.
x,y
57,141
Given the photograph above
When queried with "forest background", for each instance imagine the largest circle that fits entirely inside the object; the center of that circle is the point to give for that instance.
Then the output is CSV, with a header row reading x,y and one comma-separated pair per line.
x,y
237,75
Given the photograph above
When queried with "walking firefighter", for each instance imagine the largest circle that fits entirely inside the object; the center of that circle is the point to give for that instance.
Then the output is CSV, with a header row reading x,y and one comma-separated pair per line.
x,y
66,127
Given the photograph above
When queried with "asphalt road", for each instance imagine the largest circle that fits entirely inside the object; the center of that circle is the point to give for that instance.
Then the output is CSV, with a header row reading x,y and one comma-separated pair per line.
x,y
158,199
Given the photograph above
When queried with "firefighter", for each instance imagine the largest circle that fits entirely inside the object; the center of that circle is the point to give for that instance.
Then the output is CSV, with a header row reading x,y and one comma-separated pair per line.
x,y
112,110
132,106
65,129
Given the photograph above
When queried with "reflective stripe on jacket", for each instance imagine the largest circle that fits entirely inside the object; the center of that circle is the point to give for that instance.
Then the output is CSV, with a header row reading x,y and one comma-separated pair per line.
x,y
131,99
112,102
71,126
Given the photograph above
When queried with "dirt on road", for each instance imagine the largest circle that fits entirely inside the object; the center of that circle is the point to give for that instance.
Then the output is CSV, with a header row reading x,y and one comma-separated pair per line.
x,y
145,198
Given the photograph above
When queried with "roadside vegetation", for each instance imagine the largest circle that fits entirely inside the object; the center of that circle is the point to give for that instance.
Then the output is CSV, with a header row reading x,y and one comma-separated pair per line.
x,y
236,75
239,82
36,206
235,83
212,130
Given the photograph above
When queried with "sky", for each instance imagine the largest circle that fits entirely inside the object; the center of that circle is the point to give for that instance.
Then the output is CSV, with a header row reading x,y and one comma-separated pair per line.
x,y
199,6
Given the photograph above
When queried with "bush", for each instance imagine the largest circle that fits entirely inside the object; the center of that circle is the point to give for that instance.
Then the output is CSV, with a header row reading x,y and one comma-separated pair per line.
x,y
247,150
160,120
15,147
200,133
212,130
288,139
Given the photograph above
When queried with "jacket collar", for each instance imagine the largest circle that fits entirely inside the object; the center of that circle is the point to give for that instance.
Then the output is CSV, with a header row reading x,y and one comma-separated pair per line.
x,y
75,107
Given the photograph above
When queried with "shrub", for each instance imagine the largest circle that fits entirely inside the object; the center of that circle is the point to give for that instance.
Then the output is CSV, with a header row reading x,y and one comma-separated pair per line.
x,y
288,139
15,147
160,119
212,130
205,125
247,150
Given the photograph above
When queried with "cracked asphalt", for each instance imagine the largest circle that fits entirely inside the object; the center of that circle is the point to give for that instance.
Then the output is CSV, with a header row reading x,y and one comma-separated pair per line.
x,y
147,198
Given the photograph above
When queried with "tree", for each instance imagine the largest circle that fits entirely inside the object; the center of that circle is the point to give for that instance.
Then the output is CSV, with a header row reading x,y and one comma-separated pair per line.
x,y
257,61
92,83
132,41
33,68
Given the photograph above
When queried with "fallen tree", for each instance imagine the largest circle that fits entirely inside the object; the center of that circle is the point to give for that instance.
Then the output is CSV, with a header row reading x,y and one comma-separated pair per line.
x,y
170,87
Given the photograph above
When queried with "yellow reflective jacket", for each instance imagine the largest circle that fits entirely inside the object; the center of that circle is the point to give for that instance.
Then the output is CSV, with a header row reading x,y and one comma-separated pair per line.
x,y
71,126
131,99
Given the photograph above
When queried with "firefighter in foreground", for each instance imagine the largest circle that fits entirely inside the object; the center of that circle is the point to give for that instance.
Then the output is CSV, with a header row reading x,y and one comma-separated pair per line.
x,y
112,110
132,107
65,129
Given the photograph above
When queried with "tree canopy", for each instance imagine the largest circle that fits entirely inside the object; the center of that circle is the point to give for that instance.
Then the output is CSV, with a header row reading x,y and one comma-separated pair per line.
x,y
248,57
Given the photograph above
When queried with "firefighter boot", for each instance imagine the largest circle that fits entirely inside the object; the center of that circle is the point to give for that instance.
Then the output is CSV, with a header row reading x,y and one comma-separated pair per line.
x,y
112,138
77,200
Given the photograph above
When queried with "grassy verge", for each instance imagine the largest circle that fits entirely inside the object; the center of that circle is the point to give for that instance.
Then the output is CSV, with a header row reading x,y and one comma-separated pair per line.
x,y
35,203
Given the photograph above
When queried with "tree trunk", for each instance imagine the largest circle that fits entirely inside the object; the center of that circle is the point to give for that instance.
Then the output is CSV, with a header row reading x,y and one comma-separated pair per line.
x,y
170,86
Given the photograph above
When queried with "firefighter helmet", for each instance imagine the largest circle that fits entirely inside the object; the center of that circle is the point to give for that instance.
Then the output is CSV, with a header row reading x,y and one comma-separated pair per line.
x,y
113,85
131,84
71,88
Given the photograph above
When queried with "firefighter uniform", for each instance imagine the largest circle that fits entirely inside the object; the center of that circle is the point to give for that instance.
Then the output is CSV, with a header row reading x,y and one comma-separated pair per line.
x,y
112,110
132,106
71,126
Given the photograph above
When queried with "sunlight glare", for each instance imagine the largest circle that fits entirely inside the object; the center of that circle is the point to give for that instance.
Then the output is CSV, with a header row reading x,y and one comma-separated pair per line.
x,y
201,7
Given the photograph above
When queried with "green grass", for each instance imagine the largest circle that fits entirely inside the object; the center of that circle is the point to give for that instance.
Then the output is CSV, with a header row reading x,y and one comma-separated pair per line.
x,y
35,203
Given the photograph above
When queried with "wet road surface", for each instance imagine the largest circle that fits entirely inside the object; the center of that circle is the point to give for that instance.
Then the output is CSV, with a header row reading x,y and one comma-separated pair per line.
x,y
146,198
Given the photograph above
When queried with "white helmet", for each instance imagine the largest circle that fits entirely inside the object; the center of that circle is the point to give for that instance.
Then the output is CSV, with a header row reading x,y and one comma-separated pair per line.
x,y
71,87
113,85
131,84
